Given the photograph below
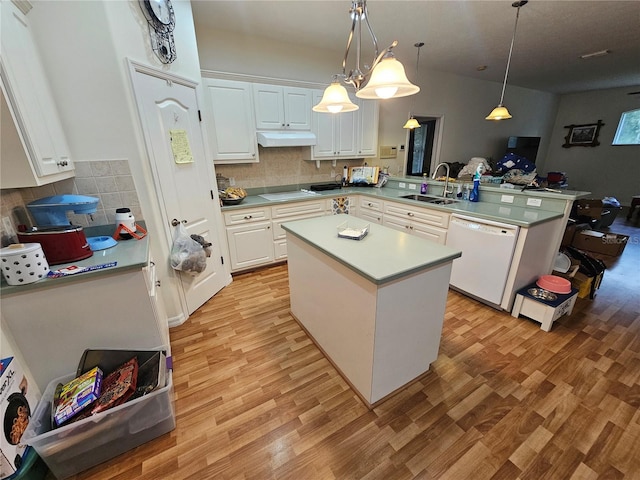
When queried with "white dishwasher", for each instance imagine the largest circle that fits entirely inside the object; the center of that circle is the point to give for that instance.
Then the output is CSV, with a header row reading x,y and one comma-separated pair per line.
x,y
487,248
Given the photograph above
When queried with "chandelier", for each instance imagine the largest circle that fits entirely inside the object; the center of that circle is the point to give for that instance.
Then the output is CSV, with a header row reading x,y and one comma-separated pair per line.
x,y
383,78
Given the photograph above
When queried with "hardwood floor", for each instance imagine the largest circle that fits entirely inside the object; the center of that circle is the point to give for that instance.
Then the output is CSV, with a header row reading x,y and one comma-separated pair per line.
x,y
255,399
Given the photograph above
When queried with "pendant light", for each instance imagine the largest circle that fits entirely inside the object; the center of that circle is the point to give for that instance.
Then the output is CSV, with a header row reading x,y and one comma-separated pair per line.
x,y
412,122
335,99
384,77
501,112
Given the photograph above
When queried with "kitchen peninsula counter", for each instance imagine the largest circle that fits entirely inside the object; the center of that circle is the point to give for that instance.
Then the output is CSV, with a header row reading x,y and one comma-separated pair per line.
x,y
127,254
375,306
54,320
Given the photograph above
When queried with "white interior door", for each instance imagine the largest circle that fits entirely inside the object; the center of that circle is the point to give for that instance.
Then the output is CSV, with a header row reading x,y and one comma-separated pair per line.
x,y
168,110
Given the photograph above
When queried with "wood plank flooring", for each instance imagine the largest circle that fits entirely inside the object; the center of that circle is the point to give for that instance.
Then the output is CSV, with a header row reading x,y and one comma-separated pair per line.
x,y
255,399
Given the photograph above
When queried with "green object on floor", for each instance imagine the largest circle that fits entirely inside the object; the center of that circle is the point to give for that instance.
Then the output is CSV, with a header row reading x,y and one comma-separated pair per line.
x,y
32,468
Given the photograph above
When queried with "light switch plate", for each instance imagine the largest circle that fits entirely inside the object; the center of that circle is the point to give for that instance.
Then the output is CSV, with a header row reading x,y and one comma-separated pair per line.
x,y
506,198
412,186
534,202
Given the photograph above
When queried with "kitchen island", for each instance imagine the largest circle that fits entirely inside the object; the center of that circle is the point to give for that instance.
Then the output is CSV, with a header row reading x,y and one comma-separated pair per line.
x,y
375,306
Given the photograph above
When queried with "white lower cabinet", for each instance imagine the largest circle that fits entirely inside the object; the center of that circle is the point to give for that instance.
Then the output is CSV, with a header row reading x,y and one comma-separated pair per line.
x,y
256,238
249,237
287,213
422,222
370,209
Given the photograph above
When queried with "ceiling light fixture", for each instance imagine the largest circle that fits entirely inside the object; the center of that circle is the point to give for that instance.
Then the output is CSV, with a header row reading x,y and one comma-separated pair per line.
x,y
335,99
385,77
501,112
412,122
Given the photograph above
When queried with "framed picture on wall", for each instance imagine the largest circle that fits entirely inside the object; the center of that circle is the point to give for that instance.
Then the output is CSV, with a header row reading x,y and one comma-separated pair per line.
x,y
583,135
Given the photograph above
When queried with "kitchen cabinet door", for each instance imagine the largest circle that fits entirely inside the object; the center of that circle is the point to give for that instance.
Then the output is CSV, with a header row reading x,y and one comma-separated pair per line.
x,y
282,108
28,98
250,245
229,115
368,128
335,133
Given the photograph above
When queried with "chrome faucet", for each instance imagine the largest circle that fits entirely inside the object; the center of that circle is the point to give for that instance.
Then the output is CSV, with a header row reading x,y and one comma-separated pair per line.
x,y
446,190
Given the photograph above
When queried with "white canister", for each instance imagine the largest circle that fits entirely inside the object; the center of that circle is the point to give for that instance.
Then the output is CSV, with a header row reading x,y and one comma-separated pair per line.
x,y
23,263
125,217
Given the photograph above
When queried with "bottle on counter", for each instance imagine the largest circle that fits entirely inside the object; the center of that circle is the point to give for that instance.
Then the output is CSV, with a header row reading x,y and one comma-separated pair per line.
x,y
459,191
345,175
474,196
424,187
465,192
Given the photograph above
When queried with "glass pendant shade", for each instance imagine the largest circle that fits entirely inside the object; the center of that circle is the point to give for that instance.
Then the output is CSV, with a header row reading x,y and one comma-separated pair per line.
x,y
411,124
388,80
499,113
335,100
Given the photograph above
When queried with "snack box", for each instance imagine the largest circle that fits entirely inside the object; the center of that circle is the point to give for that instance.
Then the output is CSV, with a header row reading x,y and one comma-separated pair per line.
x,y
77,394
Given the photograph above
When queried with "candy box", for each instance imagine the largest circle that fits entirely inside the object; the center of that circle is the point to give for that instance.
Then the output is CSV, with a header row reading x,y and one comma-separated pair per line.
x,y
76,395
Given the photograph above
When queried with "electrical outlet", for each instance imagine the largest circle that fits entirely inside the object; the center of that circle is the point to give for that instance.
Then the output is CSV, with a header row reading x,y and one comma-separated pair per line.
x,y
333,173
402,185
232,182
412,186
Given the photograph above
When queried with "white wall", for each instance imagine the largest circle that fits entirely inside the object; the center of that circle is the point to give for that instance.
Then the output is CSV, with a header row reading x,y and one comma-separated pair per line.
x,y
86,65
605,170
464,102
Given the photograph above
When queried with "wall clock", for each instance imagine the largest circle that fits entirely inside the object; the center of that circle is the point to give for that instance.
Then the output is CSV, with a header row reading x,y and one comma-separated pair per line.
x,y
162,21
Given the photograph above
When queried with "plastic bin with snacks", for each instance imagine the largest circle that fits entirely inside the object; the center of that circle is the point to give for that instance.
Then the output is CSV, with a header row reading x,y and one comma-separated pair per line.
x,y
99,434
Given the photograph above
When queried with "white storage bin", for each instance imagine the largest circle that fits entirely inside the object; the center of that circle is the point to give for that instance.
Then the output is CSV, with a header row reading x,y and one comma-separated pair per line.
x,y
23,263
76,447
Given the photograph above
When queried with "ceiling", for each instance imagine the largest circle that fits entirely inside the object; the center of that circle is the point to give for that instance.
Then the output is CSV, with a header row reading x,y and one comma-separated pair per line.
x,y
460,36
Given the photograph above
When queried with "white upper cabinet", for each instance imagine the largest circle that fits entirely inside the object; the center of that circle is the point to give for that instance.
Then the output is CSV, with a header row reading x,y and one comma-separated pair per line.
x,y
282,108
29,102
230,121
348,134
368,128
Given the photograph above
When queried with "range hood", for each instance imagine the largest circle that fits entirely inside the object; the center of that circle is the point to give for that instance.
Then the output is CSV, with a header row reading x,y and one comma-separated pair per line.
x,y
286,139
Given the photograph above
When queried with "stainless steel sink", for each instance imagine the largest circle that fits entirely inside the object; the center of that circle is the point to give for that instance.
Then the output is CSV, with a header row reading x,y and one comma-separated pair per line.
x,y
430,199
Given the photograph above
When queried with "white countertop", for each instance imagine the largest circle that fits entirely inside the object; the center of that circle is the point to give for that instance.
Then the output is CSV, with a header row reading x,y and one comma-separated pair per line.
x,y
382,256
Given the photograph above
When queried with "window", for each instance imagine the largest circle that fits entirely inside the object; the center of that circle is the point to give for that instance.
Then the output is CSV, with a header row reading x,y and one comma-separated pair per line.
x,y
628,132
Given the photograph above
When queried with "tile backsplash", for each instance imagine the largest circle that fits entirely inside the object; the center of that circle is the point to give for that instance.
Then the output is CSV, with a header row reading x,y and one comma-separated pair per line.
x,y
285,166
109,180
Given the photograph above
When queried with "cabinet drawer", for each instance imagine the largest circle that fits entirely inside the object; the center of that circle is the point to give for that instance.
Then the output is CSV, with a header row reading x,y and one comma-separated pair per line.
x,y
237,217
288,210
370,204
280,233
423,215
428,232
370,215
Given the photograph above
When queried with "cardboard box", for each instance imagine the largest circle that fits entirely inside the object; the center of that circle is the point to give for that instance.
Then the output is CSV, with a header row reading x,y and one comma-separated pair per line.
x,y
604,243
589,208
16,402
